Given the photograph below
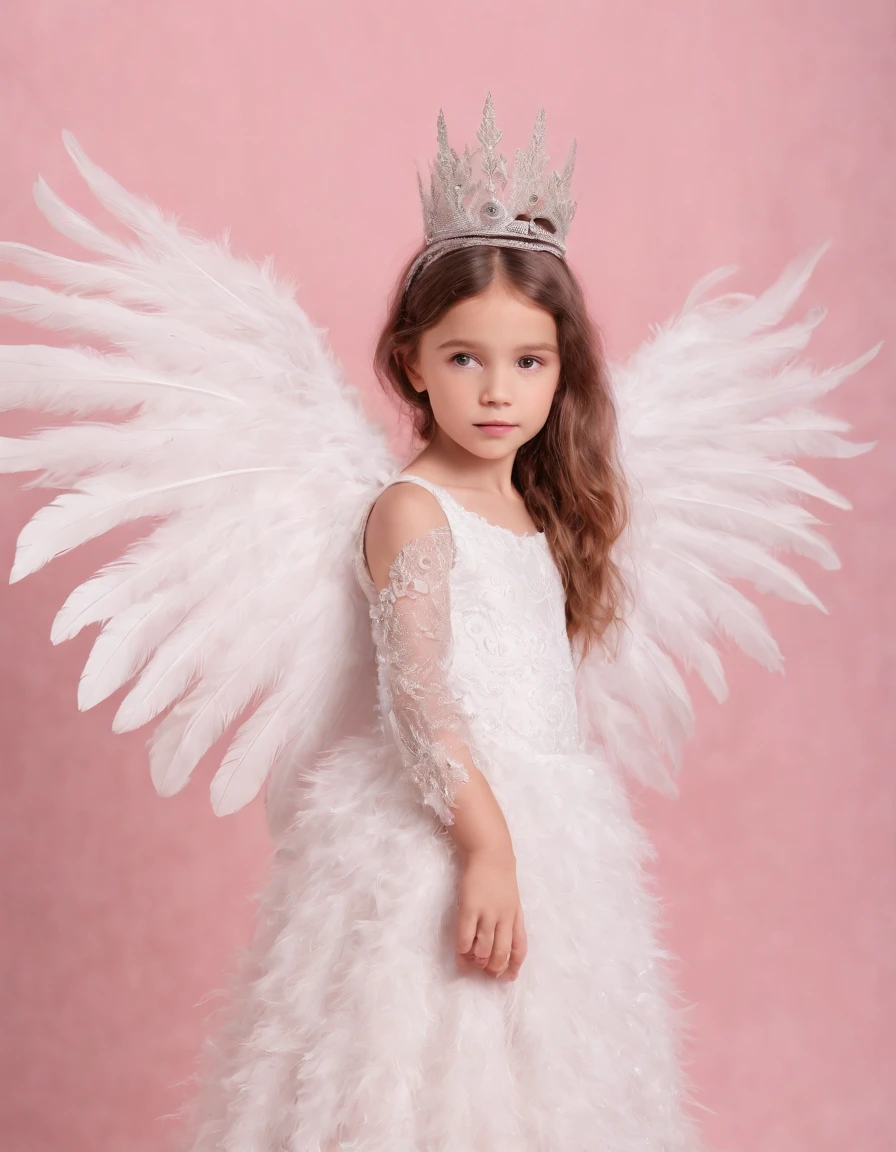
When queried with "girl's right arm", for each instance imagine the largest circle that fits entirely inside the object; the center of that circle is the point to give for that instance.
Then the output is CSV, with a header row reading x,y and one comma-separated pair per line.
x,y
401,539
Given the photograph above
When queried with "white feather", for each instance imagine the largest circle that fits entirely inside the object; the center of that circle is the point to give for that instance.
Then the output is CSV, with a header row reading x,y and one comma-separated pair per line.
x,y
242,450
713,411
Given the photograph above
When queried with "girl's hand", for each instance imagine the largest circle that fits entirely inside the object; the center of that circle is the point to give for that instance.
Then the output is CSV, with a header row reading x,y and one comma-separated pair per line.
x,y
491,935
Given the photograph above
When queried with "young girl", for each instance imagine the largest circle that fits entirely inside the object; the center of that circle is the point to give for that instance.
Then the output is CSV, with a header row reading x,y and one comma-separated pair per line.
x,y
557,1032
437,671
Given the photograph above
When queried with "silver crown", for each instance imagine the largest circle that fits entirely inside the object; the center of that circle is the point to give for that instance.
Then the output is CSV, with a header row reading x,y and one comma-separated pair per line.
x,y
464,207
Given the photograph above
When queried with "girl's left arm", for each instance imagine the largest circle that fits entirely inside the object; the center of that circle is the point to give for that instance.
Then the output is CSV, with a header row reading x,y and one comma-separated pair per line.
x,y
410,554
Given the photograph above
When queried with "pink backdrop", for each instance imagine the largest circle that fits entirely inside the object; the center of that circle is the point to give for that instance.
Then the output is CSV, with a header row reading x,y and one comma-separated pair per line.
x,y
709,133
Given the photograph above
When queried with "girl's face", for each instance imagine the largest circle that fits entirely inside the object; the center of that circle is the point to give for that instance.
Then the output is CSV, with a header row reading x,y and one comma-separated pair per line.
x,y
492,358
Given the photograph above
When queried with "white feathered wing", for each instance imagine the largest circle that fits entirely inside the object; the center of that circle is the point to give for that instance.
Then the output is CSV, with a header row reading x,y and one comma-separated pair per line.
x,y
233,430
713,410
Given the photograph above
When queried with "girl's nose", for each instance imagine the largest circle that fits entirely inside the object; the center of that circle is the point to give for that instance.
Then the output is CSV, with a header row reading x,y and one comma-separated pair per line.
x,y
497,387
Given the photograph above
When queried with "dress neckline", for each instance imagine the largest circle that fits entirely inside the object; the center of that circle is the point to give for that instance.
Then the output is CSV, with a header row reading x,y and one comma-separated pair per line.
x,y
522,536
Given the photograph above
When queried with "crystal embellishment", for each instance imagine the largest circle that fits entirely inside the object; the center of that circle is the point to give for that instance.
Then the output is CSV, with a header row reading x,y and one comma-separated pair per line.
x,y
470,199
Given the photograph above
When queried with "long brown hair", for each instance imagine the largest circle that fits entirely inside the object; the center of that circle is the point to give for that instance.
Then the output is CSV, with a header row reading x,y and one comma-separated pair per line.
x,y
569,473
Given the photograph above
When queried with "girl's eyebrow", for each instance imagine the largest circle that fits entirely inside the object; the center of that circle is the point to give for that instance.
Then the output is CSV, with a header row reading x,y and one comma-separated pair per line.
x,y
474,344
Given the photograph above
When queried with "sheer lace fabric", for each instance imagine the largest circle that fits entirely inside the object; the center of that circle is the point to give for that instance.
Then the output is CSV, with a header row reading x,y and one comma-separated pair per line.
x,y
412,632
472,654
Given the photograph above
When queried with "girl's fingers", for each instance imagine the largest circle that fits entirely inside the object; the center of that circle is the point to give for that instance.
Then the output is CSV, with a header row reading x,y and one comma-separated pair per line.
x,y
466,930
495,947
518,948
500,956
483,942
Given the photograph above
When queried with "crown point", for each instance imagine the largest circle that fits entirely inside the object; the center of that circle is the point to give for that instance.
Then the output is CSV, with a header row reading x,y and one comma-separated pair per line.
x,y
570,162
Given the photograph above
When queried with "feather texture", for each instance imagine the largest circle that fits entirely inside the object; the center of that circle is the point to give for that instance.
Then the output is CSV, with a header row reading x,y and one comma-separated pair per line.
x,y
240,443
713,411
242,447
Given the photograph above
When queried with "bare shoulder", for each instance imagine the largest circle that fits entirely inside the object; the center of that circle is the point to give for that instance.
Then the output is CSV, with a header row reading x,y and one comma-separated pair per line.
x,y
400,513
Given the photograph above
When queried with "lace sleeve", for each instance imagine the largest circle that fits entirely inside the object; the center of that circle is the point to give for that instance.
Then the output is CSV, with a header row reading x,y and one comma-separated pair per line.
x,y
414,645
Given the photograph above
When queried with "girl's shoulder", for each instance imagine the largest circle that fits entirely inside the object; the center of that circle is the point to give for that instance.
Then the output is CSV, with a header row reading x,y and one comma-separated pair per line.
x,y
402,512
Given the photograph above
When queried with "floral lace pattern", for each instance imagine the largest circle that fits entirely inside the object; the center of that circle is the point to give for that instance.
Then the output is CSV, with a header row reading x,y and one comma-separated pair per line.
x,y
471,646
412,633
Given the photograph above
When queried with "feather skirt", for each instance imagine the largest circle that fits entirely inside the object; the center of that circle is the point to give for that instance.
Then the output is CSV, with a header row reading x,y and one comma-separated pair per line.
x,y
347,1025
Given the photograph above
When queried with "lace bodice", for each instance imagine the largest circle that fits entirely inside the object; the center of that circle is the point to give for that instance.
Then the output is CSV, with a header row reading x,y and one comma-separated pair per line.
x,y
471,645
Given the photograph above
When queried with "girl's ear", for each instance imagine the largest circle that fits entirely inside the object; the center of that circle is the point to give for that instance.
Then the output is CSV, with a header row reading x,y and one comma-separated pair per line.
x,y
408,361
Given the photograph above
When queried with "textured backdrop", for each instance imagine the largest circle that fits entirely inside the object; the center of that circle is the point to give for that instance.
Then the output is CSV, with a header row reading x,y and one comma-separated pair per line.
x,y
709,133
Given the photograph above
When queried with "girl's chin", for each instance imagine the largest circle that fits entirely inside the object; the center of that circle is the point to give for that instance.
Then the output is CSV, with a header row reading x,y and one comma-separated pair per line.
x,y
491,447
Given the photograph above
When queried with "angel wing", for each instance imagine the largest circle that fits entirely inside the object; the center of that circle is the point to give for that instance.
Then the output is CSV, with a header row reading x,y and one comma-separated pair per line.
x,y
712,411
222,417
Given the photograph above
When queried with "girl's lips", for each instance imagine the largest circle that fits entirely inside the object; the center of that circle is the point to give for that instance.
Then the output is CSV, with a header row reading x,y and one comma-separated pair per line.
x,y
495,429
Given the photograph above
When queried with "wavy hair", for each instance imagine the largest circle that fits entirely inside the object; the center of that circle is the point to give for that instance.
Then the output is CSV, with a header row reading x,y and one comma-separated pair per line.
x,y
568,474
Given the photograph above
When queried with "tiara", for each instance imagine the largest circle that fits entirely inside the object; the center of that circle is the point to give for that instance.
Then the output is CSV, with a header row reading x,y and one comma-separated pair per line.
x,y
466,204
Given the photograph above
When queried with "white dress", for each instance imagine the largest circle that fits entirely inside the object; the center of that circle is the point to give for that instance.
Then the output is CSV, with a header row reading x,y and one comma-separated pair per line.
x,y
350,1021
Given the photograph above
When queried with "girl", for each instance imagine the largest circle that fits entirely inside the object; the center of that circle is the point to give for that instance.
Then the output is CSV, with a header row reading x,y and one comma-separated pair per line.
x,y
437,672
493,349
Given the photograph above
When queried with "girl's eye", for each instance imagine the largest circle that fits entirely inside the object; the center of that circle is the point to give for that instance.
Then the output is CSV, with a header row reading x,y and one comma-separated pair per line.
x,y
464,359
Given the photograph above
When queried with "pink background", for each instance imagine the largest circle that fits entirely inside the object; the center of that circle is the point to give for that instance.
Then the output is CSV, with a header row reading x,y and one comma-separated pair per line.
x,y
709,133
